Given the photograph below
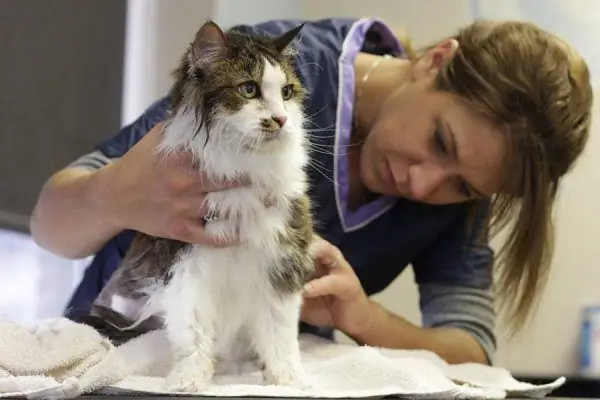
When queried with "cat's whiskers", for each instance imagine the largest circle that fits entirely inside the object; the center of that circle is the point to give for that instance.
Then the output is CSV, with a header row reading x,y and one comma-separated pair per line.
x,y
232,132
310,117
251,131
331,127
320,171
324,146
320,151
234,137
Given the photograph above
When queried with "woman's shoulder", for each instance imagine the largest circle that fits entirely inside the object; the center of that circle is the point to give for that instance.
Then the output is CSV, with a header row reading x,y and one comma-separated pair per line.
x,y
330,35
329,32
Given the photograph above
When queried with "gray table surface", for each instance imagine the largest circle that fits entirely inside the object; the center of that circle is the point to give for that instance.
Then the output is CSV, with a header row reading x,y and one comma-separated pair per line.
x,y
91,397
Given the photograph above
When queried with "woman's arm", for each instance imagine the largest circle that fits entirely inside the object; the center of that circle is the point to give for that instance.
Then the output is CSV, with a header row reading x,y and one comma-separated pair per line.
x,y
79,209
461,333
69,218
455,276
72,216
385,329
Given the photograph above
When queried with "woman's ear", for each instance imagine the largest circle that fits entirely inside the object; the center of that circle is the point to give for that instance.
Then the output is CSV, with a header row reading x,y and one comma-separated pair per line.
x,y
428,65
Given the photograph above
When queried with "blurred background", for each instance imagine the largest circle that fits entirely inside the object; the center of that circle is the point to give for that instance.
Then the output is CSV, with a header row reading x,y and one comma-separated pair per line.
x,y
74,71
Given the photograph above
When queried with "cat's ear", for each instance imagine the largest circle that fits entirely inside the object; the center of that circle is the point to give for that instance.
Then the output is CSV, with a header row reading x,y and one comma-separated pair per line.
x,y
209,45
283,41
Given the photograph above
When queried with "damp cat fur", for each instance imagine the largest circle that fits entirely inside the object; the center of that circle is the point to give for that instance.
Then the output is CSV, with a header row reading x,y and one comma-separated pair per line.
x,y
237,105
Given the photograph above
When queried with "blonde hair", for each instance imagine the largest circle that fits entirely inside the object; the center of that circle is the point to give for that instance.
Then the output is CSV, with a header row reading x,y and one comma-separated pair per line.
x,y
536,89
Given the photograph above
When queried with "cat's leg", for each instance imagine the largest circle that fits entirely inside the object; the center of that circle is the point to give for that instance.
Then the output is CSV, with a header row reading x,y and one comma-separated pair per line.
x,y
190,324
239,357
275,337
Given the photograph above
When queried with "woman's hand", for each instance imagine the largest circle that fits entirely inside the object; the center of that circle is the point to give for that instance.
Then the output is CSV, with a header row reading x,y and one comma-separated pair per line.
x,y
160,195
335,296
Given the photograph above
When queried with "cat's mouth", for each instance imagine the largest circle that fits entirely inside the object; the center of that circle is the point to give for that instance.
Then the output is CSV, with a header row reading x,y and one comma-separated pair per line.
x,y
263,138
269,135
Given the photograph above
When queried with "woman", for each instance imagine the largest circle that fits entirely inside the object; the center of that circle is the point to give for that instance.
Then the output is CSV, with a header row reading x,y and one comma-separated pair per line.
x,y
426,151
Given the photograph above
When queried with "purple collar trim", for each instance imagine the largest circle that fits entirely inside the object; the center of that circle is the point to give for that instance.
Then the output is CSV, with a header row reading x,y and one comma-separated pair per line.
x,y
351,47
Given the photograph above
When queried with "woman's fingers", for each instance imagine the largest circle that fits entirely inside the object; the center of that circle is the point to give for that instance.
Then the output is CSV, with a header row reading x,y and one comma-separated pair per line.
x,y
209,185
334,276
325,254
194,231
326,285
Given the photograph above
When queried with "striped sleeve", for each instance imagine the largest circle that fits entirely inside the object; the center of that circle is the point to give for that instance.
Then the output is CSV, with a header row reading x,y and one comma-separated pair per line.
x,y
466,308
92,161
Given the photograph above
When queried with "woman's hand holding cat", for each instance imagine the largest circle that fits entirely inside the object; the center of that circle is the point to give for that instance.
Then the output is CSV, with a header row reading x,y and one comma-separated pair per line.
x,y
160,195
335,296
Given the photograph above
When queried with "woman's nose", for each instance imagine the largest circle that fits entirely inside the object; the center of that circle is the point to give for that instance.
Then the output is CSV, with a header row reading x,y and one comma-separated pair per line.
x,y
425,179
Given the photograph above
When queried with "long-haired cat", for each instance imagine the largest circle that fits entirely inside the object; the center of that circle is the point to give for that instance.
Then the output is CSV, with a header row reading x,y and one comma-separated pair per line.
x,y
237,105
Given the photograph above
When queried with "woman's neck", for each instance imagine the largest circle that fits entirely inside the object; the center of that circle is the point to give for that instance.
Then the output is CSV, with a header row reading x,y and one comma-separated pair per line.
x,y
375,80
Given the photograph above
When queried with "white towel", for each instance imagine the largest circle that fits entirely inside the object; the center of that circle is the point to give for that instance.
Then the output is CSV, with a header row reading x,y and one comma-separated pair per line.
x,y
55,358
61,359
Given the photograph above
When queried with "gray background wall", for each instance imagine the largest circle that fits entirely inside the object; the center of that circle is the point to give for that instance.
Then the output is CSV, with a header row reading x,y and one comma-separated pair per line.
x,y
61,67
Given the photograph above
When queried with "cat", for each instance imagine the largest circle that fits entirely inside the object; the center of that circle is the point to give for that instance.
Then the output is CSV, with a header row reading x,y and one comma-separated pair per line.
x,y
237,104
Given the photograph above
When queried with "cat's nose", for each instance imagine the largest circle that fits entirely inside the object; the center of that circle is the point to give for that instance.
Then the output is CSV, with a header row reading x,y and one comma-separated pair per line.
x,y
280,120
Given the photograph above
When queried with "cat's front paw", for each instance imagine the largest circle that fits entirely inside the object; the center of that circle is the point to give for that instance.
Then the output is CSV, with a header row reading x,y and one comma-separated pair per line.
x,y
287,376
190,375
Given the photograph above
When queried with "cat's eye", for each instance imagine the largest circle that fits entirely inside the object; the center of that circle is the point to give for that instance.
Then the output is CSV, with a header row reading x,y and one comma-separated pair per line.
x,y
287,92
249,90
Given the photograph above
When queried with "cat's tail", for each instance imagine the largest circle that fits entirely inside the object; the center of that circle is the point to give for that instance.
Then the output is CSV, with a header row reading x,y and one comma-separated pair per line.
x,y
113,325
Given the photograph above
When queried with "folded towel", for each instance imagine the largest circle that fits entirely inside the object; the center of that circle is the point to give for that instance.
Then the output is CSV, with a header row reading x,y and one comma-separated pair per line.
x,y
62,359
55,356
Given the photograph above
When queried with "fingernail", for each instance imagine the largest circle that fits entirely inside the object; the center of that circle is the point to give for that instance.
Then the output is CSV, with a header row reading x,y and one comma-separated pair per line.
x,y
308,287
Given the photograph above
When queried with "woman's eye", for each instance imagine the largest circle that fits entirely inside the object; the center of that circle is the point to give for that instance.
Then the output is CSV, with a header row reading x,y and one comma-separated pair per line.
x,y
249,90
464,189
286,92
439,142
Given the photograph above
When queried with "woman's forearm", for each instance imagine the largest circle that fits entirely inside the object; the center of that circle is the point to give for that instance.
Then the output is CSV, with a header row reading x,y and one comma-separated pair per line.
x,y
391,331
68,218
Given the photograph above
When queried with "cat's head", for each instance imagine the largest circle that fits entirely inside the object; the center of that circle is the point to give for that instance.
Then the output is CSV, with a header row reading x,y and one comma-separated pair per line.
x,y
244,88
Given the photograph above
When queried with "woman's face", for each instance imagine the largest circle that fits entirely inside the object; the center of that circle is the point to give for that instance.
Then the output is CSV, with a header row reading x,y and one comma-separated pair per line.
x,y
428,146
